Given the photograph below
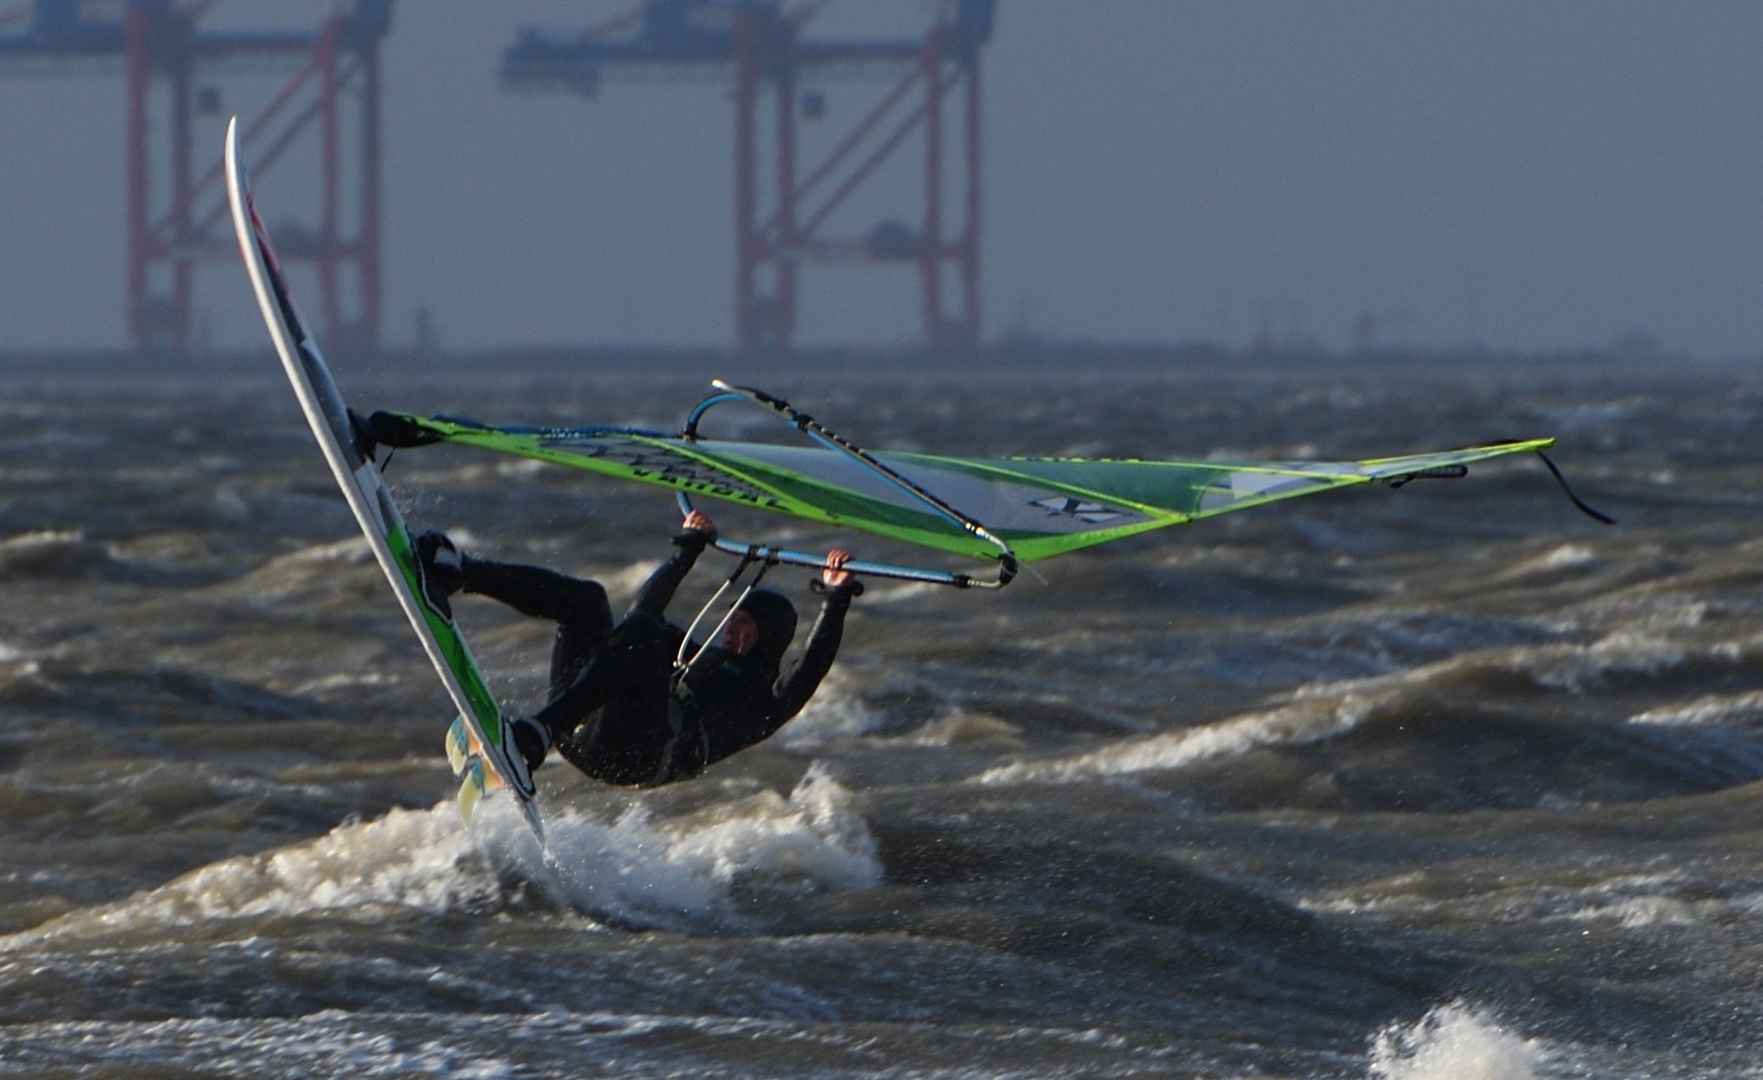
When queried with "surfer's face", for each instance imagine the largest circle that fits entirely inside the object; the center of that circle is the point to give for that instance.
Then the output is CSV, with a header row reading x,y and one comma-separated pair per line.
x,y
740,634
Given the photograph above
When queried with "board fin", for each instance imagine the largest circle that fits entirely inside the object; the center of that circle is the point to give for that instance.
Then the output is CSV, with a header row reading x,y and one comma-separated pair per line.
x,y
472,789
462,745
478,780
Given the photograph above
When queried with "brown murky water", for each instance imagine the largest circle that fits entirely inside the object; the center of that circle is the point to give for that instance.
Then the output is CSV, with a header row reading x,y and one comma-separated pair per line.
x,y
1441,782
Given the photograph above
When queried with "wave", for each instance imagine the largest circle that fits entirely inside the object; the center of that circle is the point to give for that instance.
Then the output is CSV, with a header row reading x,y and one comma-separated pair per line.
x,y
840,707
1454,1042
1633,901
1708,710
55,555
637,870
1432,697
1305,721
679,874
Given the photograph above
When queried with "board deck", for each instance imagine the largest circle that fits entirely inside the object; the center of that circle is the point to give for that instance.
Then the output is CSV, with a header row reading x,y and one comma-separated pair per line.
x,y
359,478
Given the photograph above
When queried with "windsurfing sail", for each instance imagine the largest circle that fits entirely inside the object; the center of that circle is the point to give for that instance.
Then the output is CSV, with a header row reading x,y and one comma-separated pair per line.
x,y
1007,509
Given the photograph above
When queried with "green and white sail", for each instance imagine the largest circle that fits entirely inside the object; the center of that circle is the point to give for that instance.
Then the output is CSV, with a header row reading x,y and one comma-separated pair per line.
x,y
1030,507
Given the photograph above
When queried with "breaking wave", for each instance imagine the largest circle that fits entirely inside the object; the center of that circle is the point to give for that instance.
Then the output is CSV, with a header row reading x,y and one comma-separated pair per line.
x,y
1453,1042
1324,710
1304,721
636,870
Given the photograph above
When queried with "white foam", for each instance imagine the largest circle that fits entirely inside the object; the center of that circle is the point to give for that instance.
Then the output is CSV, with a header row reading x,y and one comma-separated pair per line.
x,y
622,585
1454,1042
836,711
1299,722
42,538
353,550
636,869
1641,911
814,838
52,553
346,681
421,859
1565,557
899,592
1642,647
1630,901
1324,709
1573,667
678,874
1639,900
1712,709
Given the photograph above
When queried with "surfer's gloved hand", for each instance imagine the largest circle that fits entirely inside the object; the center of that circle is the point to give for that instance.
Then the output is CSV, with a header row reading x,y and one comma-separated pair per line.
x,y
835,580
397,432
443,570
698,532
691,541
846,592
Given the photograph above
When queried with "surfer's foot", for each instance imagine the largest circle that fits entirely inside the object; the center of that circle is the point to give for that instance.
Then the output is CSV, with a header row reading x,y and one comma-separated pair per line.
x,y
532,740
443,572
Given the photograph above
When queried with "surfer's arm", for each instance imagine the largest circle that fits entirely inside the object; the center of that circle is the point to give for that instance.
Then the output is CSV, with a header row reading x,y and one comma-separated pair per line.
x,y
794,689
657,592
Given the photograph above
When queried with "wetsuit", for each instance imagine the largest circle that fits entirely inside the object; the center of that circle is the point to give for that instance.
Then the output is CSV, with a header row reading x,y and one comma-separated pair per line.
x,y
617,713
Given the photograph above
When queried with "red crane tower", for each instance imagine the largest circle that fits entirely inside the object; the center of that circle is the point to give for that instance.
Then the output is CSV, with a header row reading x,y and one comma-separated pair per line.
x,y
763,46
169,234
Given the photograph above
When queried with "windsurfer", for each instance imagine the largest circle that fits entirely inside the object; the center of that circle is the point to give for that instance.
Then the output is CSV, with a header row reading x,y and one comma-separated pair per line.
x,y
622,710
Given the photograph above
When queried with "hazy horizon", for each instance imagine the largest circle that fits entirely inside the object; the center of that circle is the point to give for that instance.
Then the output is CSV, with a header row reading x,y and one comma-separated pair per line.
x,y
1527,179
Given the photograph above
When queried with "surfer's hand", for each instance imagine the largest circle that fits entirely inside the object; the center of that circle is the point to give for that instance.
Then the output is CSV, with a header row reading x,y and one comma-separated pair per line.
x,y
398,432
833,576
697,532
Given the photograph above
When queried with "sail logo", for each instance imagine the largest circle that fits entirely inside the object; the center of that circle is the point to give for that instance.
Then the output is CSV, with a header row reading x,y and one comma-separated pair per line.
x,y
658,465
1072,507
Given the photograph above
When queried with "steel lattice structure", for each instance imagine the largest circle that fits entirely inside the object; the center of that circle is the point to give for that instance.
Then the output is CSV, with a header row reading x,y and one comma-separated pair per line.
x,y
762,46
161,44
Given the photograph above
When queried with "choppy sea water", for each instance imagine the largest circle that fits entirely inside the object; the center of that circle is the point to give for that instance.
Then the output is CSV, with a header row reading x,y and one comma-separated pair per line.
x,y
1446,783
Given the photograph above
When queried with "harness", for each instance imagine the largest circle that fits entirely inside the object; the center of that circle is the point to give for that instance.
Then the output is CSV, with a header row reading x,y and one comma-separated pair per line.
x,y
679,695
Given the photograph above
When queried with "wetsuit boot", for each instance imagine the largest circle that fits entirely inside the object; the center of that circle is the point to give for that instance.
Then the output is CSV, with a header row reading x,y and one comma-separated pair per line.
x,y
441,570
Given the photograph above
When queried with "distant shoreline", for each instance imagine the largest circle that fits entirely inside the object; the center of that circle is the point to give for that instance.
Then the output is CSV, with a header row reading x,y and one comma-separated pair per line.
x,y
1074,359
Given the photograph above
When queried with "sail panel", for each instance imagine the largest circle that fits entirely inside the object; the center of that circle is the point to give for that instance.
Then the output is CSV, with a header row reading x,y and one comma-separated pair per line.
x,y
1039,506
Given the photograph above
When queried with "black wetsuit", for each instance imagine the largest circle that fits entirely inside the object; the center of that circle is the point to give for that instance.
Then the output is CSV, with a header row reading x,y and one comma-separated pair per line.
x,y
617,712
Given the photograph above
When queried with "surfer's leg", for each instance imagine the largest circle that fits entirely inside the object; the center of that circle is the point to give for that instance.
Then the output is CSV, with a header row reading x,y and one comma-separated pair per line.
x,y
633,649
572,648
579,608
611,722
540,593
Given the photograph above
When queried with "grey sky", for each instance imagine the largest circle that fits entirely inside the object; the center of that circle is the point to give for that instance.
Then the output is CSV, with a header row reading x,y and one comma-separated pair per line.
x,y
1534,175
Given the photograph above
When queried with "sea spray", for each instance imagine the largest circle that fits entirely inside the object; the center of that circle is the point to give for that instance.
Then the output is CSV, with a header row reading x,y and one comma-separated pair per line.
x,y
640,870
1453,1042
419,859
